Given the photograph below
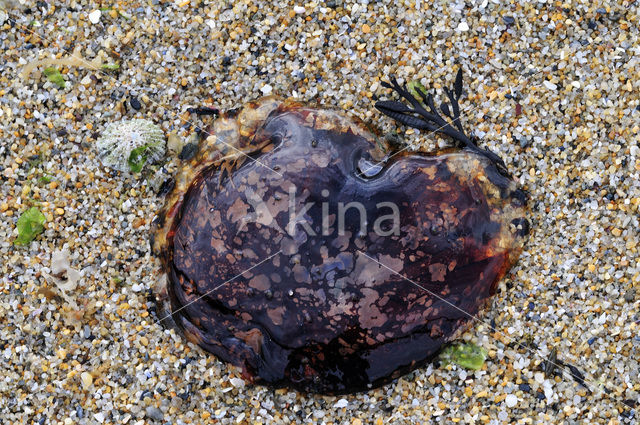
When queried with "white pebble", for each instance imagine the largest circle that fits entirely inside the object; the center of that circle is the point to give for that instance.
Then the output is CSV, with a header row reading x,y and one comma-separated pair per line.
x,y
237,382
266,89
341,403
87,379
550,85
463,26
511,400
94,16
299,9
576,84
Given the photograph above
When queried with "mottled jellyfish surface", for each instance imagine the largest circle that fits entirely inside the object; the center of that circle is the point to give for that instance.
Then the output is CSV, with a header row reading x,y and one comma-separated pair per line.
x,y
301,249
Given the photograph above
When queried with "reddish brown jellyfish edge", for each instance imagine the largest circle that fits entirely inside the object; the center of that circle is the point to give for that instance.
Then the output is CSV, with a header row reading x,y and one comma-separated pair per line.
x,y
309,306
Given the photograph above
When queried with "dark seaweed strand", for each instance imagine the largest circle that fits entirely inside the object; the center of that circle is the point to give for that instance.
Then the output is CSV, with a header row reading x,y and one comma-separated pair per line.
x,y
431,119
204,110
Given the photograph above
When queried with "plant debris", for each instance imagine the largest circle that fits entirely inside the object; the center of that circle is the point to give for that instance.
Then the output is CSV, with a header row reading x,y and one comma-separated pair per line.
x,y
469,356
55,77
30,224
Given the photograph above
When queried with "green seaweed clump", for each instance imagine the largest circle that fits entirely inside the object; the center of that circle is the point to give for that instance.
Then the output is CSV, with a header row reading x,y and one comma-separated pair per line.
x,y
469,356
30,225
55,77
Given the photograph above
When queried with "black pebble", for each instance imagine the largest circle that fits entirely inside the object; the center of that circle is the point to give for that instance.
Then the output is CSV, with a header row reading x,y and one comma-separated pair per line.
x,y
592,25
188,151
525,387
226,61
135,103
509,20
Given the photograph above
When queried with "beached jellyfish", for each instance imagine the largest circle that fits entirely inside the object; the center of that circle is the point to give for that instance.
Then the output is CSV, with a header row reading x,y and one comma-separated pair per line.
x,y
301,247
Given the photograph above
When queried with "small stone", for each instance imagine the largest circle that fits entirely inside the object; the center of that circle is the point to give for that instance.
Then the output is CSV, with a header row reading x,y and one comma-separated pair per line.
x,y
463,26
175,143
511,400
539,377
266,89
237,382
135,103
94,16
366,29
509,20
188,151
550,85
299,10
87,379
154,413
524,387
630,295
99,417
341,403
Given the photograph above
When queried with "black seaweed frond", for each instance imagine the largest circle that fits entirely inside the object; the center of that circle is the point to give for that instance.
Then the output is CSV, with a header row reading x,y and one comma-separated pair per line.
x,y
204,110
424,115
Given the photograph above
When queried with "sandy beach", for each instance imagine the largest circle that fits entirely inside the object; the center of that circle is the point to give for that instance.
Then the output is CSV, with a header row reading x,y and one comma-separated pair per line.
x,y
553,88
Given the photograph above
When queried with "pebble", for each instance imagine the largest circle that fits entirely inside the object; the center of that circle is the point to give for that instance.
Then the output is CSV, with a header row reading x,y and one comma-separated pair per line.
x,y
94,16
135,103
266,89
511,400
463,26
154,413
299,10
550,85
87,379
341,403
188,151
